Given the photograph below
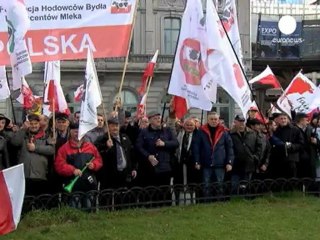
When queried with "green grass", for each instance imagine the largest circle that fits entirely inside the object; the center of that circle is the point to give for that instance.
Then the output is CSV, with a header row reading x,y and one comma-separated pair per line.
x,y
293,217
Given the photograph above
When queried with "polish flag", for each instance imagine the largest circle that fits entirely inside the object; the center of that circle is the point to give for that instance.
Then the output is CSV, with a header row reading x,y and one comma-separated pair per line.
x,y
12,189
148,72
180,106
54,99
142,107
266,78
78,94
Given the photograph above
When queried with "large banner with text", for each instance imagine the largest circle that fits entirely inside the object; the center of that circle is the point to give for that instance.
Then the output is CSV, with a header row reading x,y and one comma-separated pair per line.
x,y
62,30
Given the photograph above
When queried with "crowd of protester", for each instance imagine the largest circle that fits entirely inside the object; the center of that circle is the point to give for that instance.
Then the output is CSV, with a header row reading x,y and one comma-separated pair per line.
x,y
122,152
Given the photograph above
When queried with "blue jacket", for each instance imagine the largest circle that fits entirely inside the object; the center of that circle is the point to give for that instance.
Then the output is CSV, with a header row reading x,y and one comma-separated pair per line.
x,y
146,146
213,152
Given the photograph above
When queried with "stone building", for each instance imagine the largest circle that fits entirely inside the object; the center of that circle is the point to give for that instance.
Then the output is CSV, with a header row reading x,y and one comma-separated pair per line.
x,y
157,27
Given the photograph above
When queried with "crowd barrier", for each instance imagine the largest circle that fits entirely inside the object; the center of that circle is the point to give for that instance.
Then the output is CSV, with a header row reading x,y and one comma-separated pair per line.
x,y
173,195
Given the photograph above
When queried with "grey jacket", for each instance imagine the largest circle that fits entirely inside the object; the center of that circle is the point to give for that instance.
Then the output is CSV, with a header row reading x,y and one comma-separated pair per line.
x,y
35,163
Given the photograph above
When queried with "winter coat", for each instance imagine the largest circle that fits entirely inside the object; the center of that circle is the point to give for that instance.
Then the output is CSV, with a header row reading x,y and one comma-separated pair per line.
x,y
109,173
71,157
36,162
213,152
146,146
291,134
4,155
247,151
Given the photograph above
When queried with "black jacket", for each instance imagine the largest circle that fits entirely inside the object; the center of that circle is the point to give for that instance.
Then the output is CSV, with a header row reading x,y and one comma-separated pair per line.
x,y
247,151
291,134
109,175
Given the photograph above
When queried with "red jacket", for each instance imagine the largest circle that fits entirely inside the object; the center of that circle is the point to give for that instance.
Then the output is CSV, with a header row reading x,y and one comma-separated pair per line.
x,y
71,157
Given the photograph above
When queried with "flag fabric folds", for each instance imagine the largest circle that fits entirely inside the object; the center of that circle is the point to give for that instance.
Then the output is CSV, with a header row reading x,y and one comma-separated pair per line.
x,y
148,72
223,64
229,20
12,190
189,63
141,112
78,94
54,99
18,24
4,88
91,100
266,78
180,106
298,95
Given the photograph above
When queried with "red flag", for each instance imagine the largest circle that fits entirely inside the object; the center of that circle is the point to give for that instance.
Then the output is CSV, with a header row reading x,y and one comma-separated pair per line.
x,y
26,97
180,106
266,78
148,72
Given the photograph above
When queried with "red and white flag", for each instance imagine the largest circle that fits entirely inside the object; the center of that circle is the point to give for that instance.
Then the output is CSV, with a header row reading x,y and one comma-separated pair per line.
x,y
78,94
18,24
299,95
142,107
229,20
266,78
23,94
12,190
4,88
54,99
91,100
189,63
148,72
180,106
222,62
273,109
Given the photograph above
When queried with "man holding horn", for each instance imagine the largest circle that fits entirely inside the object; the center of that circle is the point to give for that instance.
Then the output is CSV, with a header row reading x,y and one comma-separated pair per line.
x,y
71,160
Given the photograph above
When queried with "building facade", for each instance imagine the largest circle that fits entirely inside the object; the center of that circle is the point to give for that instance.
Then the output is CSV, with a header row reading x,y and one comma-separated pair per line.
x,y
157,27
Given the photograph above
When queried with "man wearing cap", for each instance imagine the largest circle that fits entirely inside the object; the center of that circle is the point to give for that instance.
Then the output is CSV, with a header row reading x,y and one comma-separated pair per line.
x,y
256,125
156,145
34,153
287,148
71,158
4,155
213,154
247,147
117,154
62,129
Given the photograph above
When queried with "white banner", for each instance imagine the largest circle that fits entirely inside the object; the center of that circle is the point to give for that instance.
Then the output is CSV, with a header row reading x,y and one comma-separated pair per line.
x,y
66,29
189,63
91,99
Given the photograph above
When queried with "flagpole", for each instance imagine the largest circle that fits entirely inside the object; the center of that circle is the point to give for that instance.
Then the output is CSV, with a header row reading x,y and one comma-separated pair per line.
x,y
11,101
128,52
147,91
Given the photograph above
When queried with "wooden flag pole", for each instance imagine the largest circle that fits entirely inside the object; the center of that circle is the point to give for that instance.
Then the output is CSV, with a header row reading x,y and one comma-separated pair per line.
x,y
128,52
147,92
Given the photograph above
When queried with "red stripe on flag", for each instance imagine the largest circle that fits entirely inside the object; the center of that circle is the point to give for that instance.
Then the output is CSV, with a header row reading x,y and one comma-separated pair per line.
x,y
6,216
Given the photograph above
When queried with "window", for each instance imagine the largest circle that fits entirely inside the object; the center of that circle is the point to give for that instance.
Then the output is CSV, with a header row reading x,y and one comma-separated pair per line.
x,y
171,34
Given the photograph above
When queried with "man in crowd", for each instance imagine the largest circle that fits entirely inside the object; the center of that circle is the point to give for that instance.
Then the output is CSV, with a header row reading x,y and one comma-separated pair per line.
x,y
157,146
119,167
257,126
213,154
76,117
287,147
97,132
308,152
71,159
247,147
34,153
62,129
